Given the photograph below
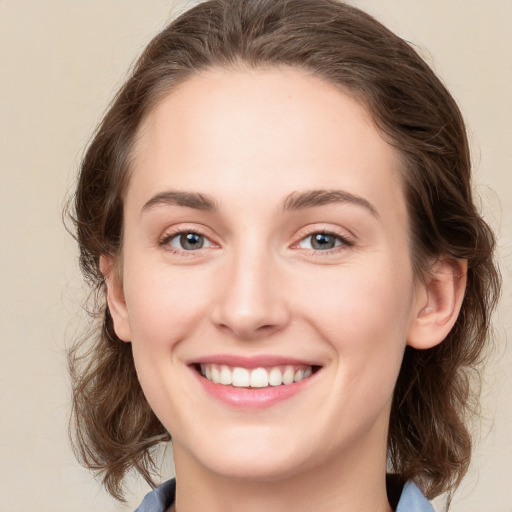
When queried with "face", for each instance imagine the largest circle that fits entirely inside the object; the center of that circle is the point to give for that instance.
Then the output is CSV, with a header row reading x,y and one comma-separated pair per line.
x,y
266,284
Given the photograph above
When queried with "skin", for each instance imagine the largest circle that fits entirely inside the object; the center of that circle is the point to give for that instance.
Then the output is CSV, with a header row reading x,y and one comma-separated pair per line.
x,y
250,139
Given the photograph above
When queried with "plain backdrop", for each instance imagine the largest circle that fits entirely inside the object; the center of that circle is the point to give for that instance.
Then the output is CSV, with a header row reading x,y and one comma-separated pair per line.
x,y
60,63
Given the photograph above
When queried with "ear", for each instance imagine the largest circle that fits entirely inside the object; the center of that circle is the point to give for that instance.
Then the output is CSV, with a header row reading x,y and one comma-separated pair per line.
x,y
438,301
115,297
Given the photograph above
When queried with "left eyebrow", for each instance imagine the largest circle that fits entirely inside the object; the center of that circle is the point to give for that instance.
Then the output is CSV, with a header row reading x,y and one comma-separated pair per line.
x,y
176,198
311,198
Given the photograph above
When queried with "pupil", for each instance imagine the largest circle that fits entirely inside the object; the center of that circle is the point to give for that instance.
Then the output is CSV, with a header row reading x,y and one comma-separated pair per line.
x,y
190,241
322,242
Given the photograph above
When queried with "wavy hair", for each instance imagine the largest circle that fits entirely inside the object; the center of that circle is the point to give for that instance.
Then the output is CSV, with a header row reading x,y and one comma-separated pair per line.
x,y
114,428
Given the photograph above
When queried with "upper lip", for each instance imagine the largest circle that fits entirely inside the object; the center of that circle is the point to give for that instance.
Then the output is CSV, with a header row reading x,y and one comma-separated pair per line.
x,y
260,361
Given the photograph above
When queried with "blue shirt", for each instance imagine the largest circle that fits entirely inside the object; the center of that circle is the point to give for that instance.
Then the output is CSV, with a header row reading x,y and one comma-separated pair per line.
x,y
159,500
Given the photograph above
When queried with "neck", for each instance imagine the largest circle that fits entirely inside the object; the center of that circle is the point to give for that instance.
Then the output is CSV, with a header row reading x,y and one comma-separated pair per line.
x,y
356,483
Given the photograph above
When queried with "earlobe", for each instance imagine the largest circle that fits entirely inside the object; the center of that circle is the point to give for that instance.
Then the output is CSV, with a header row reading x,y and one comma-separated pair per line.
x,y
115,297
438,302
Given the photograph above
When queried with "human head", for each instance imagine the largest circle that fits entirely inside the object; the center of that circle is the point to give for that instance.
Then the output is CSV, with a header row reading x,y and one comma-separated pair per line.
x,y
414,113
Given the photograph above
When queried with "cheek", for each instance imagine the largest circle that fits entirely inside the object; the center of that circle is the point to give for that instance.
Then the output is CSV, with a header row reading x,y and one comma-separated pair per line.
x,y
364,314
164,308
164,304
368,331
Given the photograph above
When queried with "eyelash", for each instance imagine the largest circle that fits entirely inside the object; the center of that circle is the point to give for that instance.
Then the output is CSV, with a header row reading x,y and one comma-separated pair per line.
x,y
166,239
345,242
343,239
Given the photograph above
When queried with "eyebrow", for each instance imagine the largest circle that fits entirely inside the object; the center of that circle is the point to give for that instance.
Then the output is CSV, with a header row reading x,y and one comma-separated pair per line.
x,y
294,201
176,198
312,198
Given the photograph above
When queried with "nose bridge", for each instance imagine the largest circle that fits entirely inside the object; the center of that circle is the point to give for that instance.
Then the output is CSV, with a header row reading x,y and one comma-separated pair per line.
x,y
251,302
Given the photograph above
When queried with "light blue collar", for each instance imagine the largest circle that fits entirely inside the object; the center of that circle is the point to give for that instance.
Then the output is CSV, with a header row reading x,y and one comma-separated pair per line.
x,y
159,500
412,500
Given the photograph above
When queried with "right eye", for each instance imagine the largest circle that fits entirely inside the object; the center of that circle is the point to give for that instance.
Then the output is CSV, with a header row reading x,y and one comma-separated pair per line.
x,y
188,241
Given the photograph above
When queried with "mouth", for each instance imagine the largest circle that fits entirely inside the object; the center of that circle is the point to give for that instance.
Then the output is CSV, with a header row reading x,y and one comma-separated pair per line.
x,y
258,382
259,377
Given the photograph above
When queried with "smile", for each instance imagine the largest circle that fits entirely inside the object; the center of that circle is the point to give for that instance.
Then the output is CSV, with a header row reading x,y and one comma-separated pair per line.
x,y
250,383
262,377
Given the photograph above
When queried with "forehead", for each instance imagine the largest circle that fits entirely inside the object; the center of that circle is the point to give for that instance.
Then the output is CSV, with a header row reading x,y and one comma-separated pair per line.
x,y
263,133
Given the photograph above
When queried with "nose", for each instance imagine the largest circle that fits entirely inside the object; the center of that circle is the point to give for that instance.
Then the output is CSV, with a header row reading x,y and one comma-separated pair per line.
x,y
251,303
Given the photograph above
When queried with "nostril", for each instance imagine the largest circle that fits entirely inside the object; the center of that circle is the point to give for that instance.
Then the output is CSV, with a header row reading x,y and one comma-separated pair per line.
x,y
247,330
267,327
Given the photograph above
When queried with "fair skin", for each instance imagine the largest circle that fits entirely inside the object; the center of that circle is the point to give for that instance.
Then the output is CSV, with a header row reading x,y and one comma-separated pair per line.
x,y
297,256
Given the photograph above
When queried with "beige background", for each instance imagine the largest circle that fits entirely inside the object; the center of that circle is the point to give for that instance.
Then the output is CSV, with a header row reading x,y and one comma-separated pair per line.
x,y
60,62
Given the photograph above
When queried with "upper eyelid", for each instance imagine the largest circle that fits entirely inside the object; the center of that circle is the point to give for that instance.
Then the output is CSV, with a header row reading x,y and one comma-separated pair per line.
x,y
172,231
345,242
307,231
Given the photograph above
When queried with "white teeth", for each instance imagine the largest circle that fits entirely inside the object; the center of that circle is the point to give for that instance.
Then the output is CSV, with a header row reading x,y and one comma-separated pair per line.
x,y
275,377
225,376
288,375
257,378
241,377
215,375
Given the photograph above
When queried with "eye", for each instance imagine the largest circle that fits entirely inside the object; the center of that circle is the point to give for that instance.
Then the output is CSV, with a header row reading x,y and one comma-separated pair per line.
x,y
188,241
322,241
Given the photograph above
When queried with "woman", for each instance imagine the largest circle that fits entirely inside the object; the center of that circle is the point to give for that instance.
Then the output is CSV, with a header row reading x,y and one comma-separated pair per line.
x,y
293,279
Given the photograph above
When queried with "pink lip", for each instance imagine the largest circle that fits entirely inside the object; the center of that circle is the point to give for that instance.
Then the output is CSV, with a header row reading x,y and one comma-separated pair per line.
x,y
250,398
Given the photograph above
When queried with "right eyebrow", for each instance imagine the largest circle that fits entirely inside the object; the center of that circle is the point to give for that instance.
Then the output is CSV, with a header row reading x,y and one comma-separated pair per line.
x,y
176,198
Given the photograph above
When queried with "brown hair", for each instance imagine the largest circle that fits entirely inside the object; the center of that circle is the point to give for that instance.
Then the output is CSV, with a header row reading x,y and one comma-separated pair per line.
x,y
115,429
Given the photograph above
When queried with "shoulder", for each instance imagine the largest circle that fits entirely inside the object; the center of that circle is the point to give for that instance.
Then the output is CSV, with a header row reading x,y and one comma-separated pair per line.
x,y
159,499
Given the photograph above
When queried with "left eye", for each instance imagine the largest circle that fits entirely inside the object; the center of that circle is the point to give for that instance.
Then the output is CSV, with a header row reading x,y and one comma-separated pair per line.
x,y
189,241
320,242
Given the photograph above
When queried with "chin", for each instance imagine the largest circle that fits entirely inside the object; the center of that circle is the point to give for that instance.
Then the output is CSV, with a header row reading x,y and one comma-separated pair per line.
x,y
259,468
256,457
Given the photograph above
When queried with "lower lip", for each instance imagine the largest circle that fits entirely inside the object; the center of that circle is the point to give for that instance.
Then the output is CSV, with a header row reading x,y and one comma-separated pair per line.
x,y
252,398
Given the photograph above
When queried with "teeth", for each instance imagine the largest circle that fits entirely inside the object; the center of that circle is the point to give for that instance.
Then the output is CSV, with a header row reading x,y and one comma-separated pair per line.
x,y
241,378
288,375
215,375
275,377
256,378
298,375
259,378
225,376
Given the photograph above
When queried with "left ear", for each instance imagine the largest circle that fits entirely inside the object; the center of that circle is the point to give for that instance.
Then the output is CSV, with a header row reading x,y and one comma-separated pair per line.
x,y
438,301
